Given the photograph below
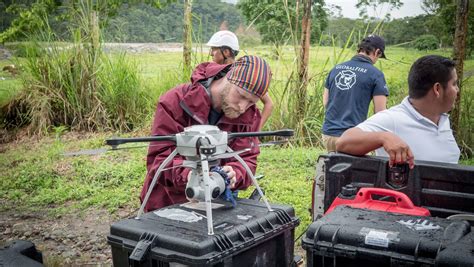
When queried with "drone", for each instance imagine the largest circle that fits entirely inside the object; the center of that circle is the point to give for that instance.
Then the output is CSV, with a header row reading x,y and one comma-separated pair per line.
x,y
203,146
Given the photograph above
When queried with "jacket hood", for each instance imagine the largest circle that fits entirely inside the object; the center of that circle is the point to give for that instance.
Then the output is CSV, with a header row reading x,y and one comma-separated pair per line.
x,y
207,70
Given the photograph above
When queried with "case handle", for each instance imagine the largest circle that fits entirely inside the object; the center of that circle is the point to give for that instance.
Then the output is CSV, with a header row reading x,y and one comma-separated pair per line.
x,y
402,200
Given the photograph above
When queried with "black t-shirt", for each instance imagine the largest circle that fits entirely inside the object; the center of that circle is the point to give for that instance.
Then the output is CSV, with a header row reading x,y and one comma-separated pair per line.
x,y
214,115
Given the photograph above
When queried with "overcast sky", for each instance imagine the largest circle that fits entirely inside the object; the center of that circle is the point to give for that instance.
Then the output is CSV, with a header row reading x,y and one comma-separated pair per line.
x,y
410,8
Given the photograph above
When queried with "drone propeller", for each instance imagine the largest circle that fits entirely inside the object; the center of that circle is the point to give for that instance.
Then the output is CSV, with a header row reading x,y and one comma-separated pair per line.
x,y
114,142
274,143
87,152
97,151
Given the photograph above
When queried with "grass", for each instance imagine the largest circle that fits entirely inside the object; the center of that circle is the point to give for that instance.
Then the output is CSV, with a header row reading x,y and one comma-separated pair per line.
x,y
37,175
9,85
77,85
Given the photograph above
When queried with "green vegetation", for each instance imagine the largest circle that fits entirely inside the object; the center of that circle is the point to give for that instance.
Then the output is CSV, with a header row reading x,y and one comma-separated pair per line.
x,y
76,85
426,42
142,23
9,87
38,175
82,90
123,21
161,20
159,72
279,21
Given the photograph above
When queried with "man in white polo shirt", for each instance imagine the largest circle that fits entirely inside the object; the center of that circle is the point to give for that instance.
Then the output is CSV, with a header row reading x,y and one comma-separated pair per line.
x,y
419,127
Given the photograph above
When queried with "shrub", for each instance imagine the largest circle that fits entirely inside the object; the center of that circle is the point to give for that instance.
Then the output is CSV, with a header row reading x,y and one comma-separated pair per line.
x,y
426,42
77,85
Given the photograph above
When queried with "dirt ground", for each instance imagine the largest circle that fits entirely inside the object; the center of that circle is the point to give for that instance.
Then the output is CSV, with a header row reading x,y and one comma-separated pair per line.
x,y
74,239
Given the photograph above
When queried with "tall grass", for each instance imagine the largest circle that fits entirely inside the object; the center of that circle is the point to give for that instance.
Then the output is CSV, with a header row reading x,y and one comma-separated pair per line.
x,y
465,136
299,100
77,85
308,126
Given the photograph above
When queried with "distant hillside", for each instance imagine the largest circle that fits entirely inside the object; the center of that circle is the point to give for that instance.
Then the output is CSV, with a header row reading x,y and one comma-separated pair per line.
x,y
142,23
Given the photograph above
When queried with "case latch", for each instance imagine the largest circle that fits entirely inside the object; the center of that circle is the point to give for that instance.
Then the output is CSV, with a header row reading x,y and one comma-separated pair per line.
x,y
143,247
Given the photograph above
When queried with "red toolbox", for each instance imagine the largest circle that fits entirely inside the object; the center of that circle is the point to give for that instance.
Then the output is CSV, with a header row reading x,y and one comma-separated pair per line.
x,y
365,199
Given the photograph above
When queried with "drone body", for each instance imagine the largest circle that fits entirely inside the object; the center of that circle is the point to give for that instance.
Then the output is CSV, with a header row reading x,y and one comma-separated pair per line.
x,y
203,146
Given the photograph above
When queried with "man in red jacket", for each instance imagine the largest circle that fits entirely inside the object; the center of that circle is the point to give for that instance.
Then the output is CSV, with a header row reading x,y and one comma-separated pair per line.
x,y
221,95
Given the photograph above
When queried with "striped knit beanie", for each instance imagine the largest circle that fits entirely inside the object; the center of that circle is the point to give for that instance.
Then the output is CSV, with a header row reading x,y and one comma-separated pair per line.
x,y
252,74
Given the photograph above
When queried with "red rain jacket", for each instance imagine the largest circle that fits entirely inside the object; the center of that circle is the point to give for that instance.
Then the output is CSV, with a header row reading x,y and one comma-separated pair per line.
x,y
183,106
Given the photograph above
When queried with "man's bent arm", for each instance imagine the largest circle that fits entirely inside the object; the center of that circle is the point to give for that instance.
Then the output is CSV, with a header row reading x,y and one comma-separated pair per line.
x,y
325,97
357,142
267,110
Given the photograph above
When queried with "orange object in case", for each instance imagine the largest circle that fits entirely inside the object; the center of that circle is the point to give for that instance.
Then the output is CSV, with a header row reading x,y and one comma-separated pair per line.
x,y
364,200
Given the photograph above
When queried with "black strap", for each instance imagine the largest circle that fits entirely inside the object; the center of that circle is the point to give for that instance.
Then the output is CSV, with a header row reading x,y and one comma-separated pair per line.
x,y
222,52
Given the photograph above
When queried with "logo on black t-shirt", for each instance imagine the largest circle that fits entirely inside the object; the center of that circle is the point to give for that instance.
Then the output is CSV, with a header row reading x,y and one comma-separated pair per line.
x,y
345,79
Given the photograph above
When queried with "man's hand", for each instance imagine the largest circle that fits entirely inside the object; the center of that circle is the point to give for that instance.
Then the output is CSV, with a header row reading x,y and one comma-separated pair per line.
x,y
398,151
231,175
357,142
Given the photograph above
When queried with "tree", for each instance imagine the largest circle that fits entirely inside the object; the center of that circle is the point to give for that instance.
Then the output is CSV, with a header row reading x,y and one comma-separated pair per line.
x,y
276,20
303,60
25,17
376,6
459,50
319,20
407,29
30,16
187,38
443,20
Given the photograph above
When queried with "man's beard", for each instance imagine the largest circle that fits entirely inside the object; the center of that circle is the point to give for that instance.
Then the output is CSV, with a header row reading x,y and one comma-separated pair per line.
x,y
228,111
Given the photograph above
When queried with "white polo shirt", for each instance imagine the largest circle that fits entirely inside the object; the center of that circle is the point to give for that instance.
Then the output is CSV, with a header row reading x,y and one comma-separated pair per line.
x,y
427,140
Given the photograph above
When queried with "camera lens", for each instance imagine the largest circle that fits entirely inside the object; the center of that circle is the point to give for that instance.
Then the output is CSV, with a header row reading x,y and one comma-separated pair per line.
x,y
189,192
215,192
